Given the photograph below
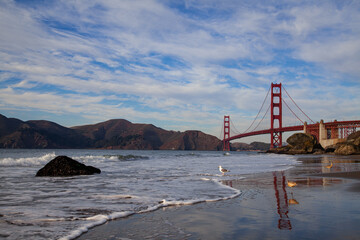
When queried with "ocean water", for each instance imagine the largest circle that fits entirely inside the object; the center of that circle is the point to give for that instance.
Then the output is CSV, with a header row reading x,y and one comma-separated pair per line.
x,y
131,182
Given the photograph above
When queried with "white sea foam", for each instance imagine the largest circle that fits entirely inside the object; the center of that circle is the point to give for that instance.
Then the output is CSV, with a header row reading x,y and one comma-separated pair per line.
x,y
27,161
95,221
115,196
205,179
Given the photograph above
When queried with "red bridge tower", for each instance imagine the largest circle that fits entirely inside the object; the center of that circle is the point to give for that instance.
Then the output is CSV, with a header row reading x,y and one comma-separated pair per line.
x,y
226,144
276,115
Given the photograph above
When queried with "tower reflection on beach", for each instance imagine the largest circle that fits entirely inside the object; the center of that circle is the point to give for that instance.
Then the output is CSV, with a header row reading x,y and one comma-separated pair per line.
x,y
281,196
228,183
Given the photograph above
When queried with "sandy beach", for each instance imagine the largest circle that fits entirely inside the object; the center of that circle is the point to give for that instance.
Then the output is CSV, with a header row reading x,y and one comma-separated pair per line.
x,y
323,205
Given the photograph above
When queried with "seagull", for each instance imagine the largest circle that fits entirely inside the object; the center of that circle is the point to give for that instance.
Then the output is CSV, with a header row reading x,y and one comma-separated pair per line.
x,y
223,170
291,184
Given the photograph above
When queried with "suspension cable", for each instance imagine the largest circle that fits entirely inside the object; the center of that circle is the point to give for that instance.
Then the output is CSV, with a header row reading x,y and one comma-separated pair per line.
x,y
262,119
292,111
259,112
222,131
296,105
233,126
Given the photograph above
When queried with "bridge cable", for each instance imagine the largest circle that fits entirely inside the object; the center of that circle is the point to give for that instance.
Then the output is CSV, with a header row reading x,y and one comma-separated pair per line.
x,y
261,119
292,111
259,112
297,105
222,132
233,126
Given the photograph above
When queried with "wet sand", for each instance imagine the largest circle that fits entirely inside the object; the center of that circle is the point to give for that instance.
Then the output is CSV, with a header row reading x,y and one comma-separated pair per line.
x,y
323,205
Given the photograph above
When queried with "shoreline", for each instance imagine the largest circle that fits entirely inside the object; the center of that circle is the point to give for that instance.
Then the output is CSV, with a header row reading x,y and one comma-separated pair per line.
x,y
322,205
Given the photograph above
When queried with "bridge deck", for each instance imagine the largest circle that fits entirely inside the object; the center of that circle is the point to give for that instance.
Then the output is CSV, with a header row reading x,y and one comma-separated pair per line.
x,y
338,124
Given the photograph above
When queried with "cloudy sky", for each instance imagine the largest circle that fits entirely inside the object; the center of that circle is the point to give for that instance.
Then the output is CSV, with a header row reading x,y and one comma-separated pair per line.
x,y
179,65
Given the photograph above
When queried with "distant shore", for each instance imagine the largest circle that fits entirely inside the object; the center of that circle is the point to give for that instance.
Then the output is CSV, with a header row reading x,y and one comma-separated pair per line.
x,y
323,205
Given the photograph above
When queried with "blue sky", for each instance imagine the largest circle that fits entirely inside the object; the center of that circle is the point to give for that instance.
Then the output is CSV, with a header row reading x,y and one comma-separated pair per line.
x,y
179,65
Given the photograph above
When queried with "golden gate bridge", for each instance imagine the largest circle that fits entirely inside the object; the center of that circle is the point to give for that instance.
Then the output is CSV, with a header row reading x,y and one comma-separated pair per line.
x,y
327,133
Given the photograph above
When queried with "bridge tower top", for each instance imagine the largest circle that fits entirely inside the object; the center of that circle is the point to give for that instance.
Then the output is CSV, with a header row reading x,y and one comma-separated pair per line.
x,y
276,114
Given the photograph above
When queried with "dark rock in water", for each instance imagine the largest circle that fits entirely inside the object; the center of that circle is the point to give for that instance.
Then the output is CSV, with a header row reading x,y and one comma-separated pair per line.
x,y
62,166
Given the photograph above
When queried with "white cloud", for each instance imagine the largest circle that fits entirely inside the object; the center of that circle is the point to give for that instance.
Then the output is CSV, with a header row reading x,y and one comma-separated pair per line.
x,y
343,56
164,64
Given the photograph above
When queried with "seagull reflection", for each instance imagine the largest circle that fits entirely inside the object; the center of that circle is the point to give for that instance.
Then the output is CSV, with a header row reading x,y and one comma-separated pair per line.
x,y
329,166
293,201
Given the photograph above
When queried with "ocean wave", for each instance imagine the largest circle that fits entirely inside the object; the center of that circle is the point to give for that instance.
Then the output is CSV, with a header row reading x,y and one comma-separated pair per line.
x,y
115,196
107,158
27,162
129,157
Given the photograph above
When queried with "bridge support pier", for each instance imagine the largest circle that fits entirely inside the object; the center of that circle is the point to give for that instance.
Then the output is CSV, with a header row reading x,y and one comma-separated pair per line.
x,y
328,136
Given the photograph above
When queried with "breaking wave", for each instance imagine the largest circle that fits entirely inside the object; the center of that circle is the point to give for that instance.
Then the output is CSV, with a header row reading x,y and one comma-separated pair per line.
x,y
27,161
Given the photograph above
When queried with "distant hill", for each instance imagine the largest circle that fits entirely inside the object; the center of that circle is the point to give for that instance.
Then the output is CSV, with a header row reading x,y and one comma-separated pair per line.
x,y
112,134
15,133
122,134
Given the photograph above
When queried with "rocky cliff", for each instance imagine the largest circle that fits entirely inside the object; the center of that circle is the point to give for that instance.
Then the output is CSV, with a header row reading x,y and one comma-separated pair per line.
x,y
350,146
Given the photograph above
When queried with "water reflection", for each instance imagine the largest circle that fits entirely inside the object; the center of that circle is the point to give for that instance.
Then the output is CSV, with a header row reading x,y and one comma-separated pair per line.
x,y
313,182
283,199
332,163
228,183
281,196
293,201
327,164
338,164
